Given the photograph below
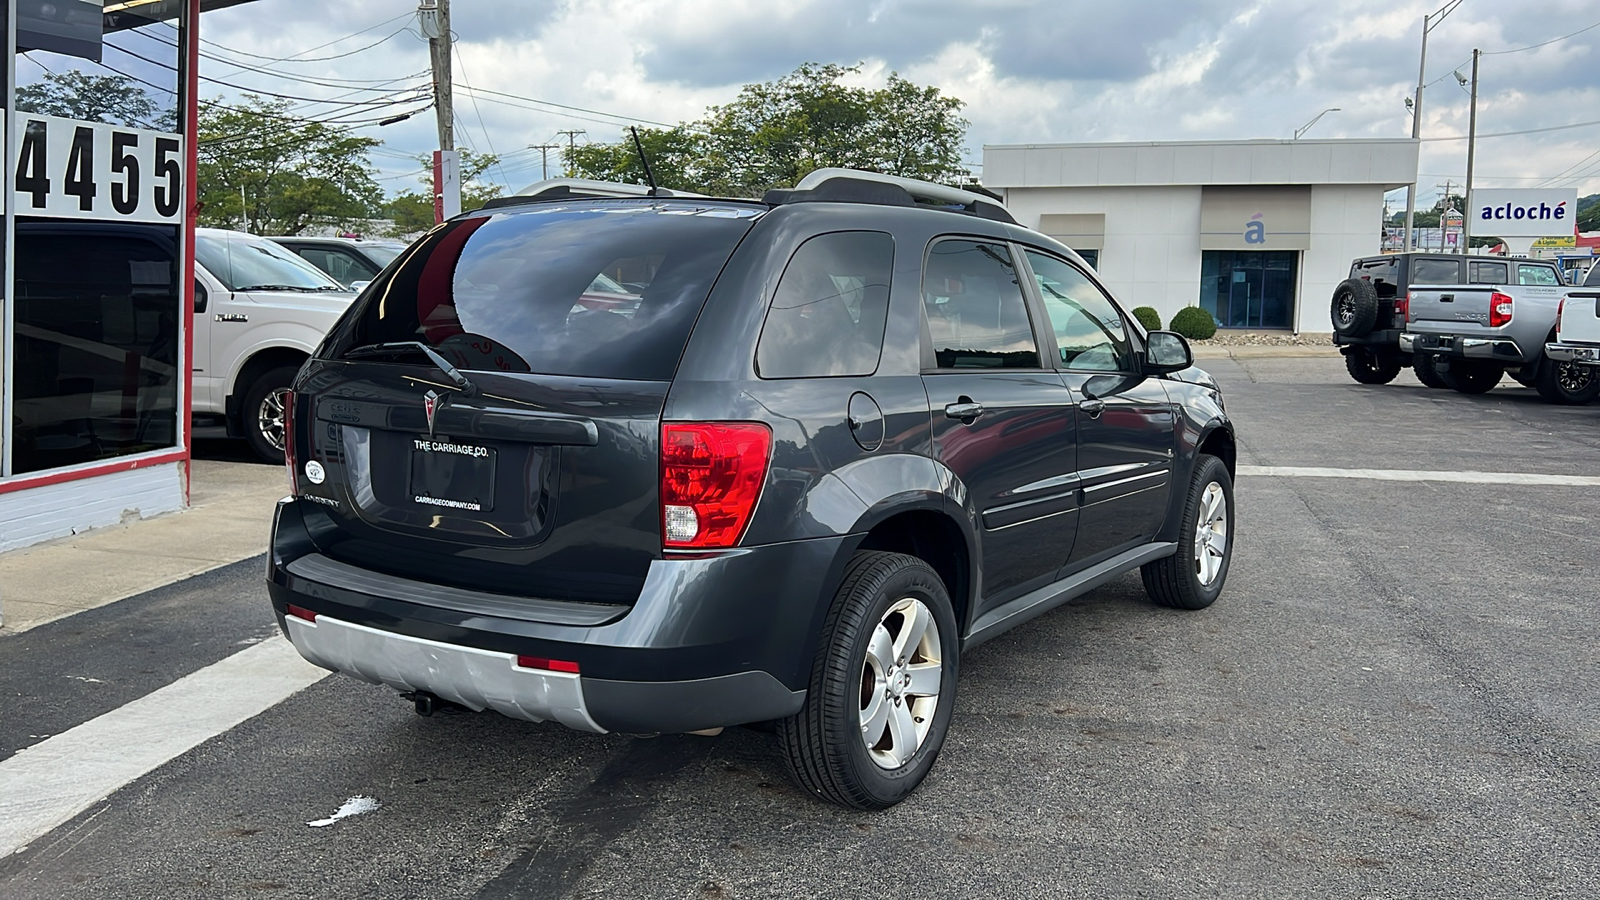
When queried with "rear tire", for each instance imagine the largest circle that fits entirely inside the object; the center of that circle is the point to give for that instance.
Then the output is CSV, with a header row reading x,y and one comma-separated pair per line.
x,y
1470,376
868,733
261,414
1372,365
1426,367
1568,384
1354,309
1193,577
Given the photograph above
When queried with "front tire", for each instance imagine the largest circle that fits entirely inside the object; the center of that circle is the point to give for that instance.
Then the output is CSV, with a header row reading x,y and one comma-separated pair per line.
x,y
882,687
1469,376
261,414
1193,577
1566,383
1370,365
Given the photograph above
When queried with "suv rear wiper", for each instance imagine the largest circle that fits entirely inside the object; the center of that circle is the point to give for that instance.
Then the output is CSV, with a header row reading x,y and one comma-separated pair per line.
x,y
462,382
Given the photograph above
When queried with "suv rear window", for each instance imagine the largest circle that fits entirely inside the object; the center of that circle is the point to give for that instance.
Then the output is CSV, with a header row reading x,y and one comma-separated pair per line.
x,y
597,290
1383,274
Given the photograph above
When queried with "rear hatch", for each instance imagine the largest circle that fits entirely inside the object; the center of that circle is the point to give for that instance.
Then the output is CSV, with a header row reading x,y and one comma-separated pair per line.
x,y
487,416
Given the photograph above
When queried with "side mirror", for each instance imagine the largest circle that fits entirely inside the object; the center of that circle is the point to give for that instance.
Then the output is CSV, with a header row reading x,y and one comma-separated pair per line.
x,y
200,296
359,286
1166,351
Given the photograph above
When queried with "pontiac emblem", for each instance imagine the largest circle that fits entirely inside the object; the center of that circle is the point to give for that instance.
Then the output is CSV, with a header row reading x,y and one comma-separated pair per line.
x,y
431,401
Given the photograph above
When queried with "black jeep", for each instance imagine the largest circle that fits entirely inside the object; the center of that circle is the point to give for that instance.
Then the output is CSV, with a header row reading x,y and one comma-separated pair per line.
x,y
646,462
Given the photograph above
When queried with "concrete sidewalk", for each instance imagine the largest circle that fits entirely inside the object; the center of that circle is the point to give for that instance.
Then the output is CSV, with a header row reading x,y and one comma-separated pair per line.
x,y
228,520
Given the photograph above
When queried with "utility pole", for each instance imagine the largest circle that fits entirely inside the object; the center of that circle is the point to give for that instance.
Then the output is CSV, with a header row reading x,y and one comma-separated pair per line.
x,y
433,16
544,157
1472,142
572,146
1416,106
1443,206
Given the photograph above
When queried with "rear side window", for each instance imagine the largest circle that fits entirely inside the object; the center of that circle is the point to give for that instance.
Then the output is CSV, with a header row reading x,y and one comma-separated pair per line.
x,y
975,311
1435,271
1383,274
1489,273
1542,275
829,309
597,290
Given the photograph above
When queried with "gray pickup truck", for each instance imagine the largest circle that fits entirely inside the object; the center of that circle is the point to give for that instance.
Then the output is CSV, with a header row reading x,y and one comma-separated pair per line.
x,y
1475,333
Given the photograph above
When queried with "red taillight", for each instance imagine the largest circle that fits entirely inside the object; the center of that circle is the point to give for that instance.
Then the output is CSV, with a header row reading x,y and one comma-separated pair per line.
x,y
1499,309
1561,309
711,478
300,612
1402,308
549,665
288,442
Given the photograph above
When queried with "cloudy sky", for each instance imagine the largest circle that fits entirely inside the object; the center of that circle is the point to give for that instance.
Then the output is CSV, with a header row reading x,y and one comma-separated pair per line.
x,y
1028,70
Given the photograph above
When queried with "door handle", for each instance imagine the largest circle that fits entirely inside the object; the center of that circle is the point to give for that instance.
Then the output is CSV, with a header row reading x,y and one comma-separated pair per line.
x,y
1094,406
965,410
1447,298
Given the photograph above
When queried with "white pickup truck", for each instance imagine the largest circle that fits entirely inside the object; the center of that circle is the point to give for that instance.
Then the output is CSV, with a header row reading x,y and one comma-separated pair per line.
x,y
259,311
1578,328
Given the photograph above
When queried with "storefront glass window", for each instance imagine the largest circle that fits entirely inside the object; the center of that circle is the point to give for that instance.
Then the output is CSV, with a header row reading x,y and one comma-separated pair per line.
x,y
1249,288
95,357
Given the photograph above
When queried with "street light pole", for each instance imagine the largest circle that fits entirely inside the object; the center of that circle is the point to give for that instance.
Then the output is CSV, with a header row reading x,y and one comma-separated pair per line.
x,y
1428,24
1472,146
1315,119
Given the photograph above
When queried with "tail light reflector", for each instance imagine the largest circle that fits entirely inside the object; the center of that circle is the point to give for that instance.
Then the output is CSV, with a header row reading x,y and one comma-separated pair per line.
x,y
1499,309
711,478
1402,308
289,461
549,665
300,612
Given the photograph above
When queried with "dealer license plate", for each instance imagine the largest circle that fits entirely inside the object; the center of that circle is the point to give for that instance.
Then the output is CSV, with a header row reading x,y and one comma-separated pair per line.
x,y
452,476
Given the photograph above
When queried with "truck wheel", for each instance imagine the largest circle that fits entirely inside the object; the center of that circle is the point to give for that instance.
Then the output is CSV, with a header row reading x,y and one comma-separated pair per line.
x,y
1569,384
1471,376
1355,307
1370,365
1192,578
261,414
1426,367
1527,376
882,687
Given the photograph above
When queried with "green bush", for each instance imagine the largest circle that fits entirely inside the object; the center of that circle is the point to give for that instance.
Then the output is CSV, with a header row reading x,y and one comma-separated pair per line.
x,y
1194,323
1148,317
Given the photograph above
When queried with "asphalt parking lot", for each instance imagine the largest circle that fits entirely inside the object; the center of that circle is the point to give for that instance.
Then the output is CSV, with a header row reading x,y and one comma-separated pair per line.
x,y
1393,698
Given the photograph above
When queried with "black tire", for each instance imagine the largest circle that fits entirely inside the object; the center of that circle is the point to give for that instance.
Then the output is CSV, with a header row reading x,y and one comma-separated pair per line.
x,y
1527,376
1426,367
1472,376
1372,365
1354,309
265,441
1175,581
823,743
1568,384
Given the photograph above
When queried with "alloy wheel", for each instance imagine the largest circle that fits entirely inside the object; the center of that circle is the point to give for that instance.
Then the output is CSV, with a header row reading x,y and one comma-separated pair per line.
x,y
269,418
1573,377
900,682
1211,534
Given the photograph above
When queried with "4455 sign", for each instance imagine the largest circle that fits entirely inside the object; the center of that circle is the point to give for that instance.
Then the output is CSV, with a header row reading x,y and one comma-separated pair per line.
x,y
90,170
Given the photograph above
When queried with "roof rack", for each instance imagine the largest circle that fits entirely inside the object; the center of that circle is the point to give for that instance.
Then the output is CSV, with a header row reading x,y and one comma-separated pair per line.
x,y
855,186
573,188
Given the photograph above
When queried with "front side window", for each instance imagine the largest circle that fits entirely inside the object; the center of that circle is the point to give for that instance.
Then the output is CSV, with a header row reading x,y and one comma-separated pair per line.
x,y
976,313
1541,275
1089,328
829,308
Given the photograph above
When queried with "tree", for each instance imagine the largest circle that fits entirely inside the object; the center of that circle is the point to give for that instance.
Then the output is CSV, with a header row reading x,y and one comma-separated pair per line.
x,y
412,211
1589,213
773,133
293,172
112,99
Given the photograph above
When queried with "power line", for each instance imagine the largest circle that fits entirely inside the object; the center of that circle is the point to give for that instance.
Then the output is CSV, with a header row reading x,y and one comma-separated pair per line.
x,y
1545,44
1462,137
489,142
241,87
595,112
297,56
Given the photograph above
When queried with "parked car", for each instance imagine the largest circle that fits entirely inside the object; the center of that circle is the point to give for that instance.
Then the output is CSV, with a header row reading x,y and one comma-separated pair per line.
x,y
259,311
1577,339
1475,333
1368,309
351,262
845,434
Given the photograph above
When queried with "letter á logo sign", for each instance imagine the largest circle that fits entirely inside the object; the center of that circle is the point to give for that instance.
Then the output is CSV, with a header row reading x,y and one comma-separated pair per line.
x,y
1255,231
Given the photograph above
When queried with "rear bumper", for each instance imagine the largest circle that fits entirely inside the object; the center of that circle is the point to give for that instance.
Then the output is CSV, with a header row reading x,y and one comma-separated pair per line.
x,y
1587,354
1377,337
722,639
1502,350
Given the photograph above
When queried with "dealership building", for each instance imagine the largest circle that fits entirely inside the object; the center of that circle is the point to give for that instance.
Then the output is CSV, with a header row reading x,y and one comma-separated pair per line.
x,y
1258,232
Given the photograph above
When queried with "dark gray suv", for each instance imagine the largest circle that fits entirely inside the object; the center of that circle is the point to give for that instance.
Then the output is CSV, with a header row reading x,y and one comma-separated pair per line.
x,y
669,463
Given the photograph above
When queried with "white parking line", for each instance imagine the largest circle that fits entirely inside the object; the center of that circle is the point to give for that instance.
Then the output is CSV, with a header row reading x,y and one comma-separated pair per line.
x,y
1423,475
47,784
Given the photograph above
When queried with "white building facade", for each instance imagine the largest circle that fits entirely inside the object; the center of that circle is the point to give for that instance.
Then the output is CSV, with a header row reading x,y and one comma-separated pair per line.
x,y
1256,232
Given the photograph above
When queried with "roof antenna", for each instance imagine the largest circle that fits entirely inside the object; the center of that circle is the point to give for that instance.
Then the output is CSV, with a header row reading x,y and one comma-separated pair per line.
x,y
643,160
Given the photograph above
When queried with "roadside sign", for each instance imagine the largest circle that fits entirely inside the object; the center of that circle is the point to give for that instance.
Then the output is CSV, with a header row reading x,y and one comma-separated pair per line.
x,y
64,168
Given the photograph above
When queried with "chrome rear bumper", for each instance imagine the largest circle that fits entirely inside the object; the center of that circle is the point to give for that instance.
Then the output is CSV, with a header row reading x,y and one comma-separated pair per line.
x,y
1587,354
476,679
